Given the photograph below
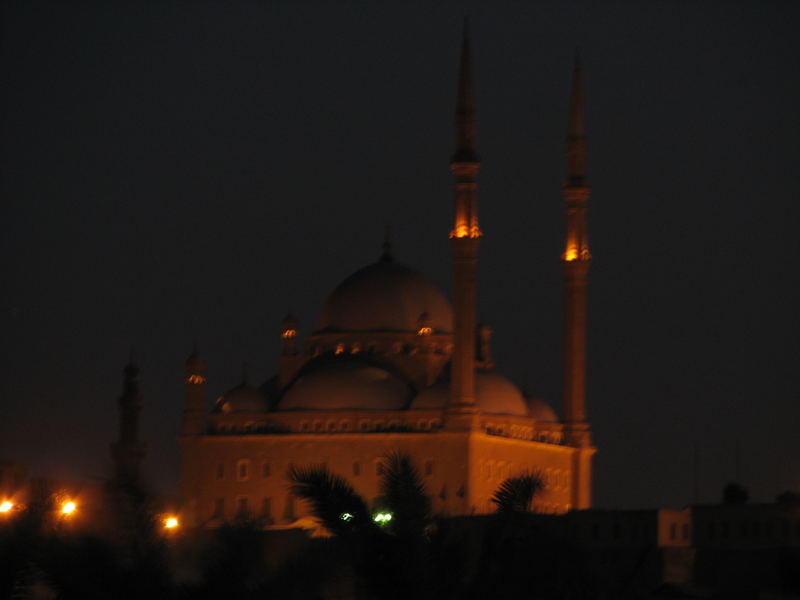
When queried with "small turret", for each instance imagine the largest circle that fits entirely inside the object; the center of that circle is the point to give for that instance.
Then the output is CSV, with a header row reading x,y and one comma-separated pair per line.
x,y
485,346
290,359
289,335
424,325
194,414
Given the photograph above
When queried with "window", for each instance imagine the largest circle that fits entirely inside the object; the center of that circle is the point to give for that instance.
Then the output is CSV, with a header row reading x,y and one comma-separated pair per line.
x,y
428,467
243,470
356,468
331,425
673,531
242,508
220,470
289,512
364,425
266,470
266,509
344,425
219,508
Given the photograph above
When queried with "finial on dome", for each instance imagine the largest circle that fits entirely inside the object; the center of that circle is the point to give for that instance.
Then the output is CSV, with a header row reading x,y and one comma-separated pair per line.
x,y
387,244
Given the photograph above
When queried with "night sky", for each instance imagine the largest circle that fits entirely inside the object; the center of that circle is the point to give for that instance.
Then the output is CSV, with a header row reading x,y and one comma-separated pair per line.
x,y
174,171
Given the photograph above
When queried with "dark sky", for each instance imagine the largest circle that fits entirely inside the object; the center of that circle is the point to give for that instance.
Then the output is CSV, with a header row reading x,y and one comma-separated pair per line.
x,y
182,170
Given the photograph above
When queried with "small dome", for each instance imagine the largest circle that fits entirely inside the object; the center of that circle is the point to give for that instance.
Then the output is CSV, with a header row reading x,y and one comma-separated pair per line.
x,y
242,399
495,395
541,410
385,296
347,384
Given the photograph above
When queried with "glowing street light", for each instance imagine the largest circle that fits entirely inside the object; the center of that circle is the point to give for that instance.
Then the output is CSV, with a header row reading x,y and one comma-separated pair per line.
x,y
346,516
382,518
6,506
171,523
68,508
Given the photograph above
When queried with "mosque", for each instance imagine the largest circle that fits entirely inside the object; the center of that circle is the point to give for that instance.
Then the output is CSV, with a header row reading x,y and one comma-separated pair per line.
x,y
393,365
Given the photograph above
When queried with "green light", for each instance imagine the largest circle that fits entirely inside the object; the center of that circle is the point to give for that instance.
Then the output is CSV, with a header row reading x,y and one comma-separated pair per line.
x,y
382,518
346,516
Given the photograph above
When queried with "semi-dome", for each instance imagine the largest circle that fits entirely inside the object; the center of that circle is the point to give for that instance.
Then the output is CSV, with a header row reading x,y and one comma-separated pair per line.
x,y
495,394
347,384
541,410
242,399
385,296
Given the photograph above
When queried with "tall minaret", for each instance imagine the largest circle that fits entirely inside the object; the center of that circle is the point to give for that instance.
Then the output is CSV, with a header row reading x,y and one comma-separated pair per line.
x,y
128,451
576,261
465,238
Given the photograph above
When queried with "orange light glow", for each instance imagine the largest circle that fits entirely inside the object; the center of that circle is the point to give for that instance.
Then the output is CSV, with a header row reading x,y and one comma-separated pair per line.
x,y
195,379
6,506
171,523
289,334
425,331
571,254
339,348
68,508
462,230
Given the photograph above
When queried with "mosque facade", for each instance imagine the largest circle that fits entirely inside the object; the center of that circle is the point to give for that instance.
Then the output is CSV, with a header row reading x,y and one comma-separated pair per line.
x,y
393,365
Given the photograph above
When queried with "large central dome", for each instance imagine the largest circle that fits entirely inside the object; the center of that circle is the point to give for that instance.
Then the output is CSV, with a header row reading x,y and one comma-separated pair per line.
x,y
385,296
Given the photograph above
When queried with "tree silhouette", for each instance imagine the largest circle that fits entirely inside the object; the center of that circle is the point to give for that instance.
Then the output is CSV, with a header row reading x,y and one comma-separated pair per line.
x,y
516,494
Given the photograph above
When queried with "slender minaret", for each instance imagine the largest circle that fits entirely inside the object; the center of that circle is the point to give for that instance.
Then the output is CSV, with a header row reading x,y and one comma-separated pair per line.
x,y
465,238
128,451
576,261
194,414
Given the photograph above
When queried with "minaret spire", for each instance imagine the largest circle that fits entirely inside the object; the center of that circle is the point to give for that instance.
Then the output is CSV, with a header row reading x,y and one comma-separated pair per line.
x,y
465,104
576,131
465,237
128,451
575,261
